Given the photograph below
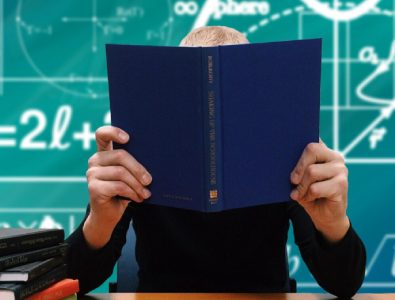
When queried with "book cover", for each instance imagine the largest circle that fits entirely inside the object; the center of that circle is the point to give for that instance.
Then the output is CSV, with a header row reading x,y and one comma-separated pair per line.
x,y
19,291
217,127
61,290
18,259
31,270
14,240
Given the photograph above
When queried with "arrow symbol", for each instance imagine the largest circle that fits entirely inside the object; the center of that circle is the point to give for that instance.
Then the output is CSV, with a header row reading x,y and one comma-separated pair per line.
x,y
385,113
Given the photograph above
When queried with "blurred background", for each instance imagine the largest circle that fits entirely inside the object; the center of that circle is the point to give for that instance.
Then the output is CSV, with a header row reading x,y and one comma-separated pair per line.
x,y
53,96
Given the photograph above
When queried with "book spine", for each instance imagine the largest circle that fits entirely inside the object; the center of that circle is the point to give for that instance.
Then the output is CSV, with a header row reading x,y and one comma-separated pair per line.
x,y
212,129
46,266
41,282
27,257
29,242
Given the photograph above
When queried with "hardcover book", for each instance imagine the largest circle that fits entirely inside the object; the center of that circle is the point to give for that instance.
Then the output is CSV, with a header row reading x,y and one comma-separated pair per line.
x,y
64,289
21,258
31,270
217,127
14,240
19,291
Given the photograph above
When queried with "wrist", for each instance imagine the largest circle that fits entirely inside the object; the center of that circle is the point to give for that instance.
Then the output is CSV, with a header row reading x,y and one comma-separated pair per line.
x,y
335,231
97,232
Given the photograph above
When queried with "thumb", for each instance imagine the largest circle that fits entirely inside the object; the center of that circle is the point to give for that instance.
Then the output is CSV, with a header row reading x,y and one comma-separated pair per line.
x,y
105,135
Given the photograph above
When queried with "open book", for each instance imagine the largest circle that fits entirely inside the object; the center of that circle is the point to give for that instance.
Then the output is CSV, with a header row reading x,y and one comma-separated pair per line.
x,y
217,127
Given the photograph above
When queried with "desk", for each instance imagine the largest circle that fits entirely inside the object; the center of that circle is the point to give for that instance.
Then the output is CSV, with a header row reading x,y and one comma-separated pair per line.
x,y
182,296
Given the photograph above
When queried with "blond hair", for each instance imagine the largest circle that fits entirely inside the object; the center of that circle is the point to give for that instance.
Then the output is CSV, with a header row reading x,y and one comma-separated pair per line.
x,y
213,36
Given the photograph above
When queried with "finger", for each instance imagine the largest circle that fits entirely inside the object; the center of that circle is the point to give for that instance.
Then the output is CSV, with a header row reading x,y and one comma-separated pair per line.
x,y
313,153
121,157
315,173
111,189
118,173
328,189
105,135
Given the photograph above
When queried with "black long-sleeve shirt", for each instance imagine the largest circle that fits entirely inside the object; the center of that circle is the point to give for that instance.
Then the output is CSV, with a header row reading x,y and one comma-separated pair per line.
x,y
242,250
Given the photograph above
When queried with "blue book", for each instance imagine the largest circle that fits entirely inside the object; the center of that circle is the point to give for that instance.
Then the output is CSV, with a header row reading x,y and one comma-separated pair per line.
x,y
217,127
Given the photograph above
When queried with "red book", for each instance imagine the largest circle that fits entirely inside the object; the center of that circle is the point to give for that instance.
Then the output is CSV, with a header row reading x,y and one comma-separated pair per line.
x,y
59,290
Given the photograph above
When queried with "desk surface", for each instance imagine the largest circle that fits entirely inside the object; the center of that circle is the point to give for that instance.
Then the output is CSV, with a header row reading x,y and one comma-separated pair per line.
x,y
181,296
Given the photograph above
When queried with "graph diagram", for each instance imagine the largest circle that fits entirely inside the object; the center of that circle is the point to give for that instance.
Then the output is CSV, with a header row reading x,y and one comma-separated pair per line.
x,y
92,20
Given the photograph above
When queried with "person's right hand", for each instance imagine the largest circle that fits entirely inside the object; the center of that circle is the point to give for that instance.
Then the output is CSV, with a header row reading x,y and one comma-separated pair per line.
x,y
112,173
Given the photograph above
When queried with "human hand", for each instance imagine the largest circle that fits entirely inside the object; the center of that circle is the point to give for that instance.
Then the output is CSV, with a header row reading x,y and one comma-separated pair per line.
x,y
321,179
112,173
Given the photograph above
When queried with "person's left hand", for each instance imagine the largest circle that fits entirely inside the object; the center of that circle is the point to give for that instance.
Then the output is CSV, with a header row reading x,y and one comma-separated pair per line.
x,y
321,183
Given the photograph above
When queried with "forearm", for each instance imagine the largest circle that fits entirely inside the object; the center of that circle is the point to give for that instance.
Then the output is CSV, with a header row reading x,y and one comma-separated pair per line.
x,y
338,267
97,232
334,232
93,266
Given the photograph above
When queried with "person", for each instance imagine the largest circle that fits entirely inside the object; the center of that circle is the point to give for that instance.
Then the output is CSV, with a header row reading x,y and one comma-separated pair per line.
x,y
240,250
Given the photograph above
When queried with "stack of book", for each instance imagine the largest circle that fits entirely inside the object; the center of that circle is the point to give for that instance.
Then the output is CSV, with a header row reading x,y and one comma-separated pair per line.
x,y
32,265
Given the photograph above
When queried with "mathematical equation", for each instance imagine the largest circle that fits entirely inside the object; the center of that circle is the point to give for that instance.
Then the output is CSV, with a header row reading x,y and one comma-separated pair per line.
x,y
108,26
60,137
223,8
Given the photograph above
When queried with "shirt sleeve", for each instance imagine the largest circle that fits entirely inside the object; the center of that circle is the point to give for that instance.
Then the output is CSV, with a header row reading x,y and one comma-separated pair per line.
x,y
90,266
339,267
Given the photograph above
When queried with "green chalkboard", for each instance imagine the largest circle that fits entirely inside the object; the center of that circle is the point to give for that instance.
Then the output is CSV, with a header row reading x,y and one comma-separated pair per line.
x,y
53,95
